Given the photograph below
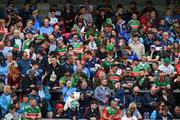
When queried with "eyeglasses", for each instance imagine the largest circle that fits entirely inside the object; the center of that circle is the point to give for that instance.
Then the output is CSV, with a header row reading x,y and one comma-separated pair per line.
x,y
132,108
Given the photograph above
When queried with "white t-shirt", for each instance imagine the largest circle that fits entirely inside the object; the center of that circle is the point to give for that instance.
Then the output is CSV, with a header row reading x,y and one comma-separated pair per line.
x,y
166,69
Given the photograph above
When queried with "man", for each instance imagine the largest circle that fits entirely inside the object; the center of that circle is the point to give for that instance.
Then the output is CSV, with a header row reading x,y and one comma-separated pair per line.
x,y
92,112
112,112
135,97
142,80
134,24
29,28
113,77
53,73
52,17
128,80
24,64
46,28
137,46
29,81
91,62
165,114
78,76
52,43
102,93
12,113
161,82
35,67
130,54
166,67
165,39
33,111
151,99
177,112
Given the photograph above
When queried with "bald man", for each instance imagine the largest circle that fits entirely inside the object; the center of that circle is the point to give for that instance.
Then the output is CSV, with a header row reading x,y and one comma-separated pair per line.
x,y
135,97
150,99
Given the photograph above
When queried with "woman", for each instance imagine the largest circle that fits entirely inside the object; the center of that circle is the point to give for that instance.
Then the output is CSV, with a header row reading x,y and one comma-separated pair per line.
x,y
176,49
129,116
159,110
5,99
134,110
14,79
168,98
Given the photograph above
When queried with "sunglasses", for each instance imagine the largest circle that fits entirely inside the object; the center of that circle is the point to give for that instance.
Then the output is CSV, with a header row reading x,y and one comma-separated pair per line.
x,y
73,30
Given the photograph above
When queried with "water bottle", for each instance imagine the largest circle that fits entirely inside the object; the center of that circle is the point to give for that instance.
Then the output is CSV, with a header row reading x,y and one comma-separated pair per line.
x,y
145,115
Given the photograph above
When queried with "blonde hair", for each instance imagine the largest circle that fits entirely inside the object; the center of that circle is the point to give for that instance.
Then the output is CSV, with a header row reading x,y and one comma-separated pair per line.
x,y
132,105
5,88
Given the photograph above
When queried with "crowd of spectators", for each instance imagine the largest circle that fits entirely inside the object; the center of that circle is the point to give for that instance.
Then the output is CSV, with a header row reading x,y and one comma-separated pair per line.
x,y
94,62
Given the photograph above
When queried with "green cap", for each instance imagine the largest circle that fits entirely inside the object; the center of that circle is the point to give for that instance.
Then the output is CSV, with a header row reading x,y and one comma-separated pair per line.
x,y
74,105
40,37
16,46
108,20
109,47
166,60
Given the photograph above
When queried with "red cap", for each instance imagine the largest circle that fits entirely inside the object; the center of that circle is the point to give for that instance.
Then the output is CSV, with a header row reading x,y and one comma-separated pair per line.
x,y
59,105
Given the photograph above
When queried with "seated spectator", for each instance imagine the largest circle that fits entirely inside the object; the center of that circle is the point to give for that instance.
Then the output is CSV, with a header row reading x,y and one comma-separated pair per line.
x,y
153,55
102,93
12,113
34,95
28,40
67,90
135,97
112,111
5,99
134,110
119,94
108,62
165,114
45,96
167,68
78,76
73,111
46,28
130,53
113,77
143,82
53,73
128,80
177,112
52,17
144,64
168,98
32,111
129,116
158,110
92,112
134,24
59,113
67,77
161,82
35,67
151,100
24,64
137,46
24,103
86,95
29,81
